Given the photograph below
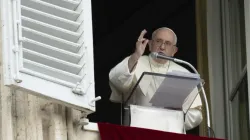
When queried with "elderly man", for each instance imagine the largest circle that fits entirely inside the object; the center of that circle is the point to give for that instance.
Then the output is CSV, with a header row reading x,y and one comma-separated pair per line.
x,y
125,74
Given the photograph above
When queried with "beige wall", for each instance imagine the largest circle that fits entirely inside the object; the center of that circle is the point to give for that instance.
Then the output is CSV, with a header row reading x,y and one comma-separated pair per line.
x,y
27,117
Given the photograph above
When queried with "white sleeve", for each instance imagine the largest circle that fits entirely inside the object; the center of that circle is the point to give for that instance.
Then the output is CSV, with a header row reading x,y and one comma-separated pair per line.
x,y
120,80
193,118
197,102
194,115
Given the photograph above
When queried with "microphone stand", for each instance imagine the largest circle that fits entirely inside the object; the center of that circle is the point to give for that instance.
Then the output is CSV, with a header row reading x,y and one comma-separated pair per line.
x,y
156,55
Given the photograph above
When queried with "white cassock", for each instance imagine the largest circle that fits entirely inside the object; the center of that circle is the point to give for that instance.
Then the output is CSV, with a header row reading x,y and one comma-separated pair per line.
x,y
122,81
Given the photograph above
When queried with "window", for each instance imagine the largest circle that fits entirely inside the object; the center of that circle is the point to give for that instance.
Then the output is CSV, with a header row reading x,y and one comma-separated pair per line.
x,y
47,49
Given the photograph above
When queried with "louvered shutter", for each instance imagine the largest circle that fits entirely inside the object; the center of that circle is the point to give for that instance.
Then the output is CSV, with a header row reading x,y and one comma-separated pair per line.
x,y
48,49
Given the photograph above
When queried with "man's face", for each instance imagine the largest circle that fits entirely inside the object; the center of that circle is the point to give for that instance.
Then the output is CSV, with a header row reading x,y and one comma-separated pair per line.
x,y
163,42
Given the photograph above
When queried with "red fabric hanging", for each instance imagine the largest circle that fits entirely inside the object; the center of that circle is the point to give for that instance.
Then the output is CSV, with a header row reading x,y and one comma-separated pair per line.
x,y
117,132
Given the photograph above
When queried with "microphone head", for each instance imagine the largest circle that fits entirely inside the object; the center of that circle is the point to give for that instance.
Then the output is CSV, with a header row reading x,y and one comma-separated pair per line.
x,y
154,55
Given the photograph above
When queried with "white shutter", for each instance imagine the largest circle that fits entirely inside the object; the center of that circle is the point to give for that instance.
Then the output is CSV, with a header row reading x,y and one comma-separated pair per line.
x,y
48,49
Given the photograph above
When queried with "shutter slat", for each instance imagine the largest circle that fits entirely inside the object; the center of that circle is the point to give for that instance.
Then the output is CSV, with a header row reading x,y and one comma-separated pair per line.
x,y
50,19
50,29
52,51
50,40
52,72
46,77
69,4
51,9
51,61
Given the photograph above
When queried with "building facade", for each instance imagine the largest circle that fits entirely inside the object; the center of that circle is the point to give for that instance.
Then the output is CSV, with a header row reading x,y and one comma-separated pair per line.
x,y
223,50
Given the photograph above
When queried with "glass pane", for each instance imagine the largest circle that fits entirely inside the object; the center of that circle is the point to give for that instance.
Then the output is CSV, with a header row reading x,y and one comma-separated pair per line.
x,y
240,114
180,87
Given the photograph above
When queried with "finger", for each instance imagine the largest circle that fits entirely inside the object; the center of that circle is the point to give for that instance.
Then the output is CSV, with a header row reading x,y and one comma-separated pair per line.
x,y
145,42
142,34
141,40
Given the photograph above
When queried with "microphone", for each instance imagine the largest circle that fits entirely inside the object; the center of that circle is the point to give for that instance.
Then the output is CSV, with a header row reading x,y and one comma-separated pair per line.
x,y
163,56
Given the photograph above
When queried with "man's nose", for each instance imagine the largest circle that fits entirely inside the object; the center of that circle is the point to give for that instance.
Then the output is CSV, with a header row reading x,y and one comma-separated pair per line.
x,y
162,47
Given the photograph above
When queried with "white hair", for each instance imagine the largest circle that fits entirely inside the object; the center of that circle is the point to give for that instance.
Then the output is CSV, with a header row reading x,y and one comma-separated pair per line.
x,y
165,28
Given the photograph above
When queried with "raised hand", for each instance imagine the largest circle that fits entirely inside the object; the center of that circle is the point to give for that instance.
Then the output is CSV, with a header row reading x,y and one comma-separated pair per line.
x,y
139,50
141,44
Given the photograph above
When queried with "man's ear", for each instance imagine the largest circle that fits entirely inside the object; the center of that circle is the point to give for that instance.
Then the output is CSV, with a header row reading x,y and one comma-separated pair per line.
x,y
175,50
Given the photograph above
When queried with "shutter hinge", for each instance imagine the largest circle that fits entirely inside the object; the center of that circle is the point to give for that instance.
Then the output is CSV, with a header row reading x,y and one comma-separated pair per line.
x,y
17,79
19,26
79,90
15,50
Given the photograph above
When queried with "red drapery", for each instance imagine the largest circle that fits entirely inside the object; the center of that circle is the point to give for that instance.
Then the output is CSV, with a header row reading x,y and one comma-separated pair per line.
x,y
117,132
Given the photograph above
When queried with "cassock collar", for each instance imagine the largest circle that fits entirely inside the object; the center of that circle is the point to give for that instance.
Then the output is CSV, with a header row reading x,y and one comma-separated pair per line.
x,y
155,64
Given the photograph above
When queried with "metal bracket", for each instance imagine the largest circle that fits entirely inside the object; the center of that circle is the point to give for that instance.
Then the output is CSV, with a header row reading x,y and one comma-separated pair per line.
x,y
83,121
91,103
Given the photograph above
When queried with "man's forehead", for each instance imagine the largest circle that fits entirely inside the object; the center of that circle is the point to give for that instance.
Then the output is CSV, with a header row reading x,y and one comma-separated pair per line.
x,y
164,34
164,31
172,37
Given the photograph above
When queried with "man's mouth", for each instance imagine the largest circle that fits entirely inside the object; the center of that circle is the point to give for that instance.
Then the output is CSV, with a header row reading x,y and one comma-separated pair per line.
x,y
161,53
